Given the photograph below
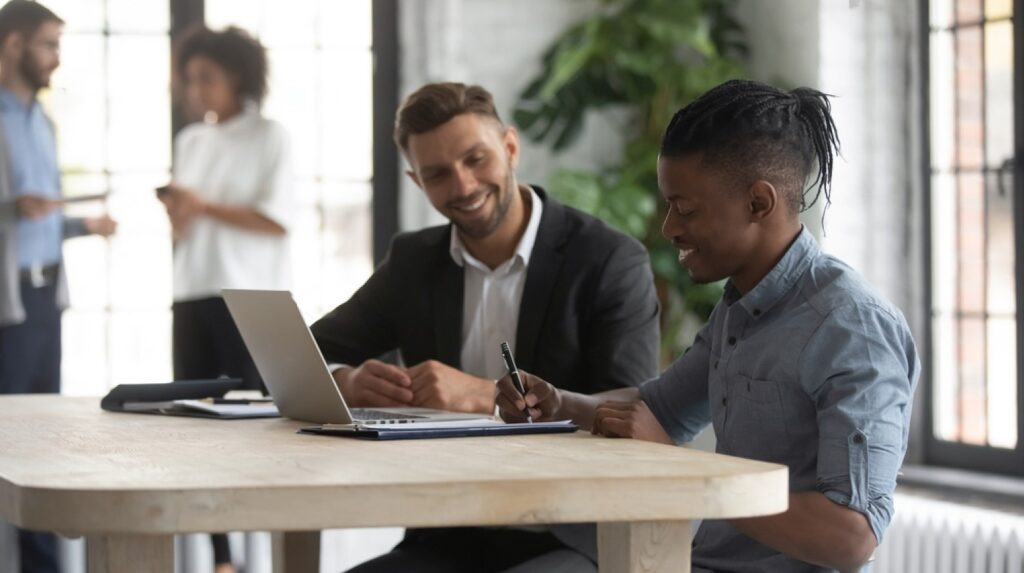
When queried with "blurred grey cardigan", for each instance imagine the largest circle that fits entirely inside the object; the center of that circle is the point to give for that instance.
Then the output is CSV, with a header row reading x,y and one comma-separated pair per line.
x,y
11,309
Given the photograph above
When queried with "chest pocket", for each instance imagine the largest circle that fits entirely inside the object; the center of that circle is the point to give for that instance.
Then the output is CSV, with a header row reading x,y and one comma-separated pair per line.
x,y
755,419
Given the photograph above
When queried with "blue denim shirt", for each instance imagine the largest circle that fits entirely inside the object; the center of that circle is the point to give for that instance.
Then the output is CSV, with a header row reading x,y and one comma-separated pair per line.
x,y
811,369
34,170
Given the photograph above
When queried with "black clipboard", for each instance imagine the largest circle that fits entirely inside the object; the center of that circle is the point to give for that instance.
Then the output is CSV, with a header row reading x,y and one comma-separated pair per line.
x,y
159,398
411,432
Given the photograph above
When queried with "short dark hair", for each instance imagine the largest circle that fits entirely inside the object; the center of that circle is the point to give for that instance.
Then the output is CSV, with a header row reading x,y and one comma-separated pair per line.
x,y
24,16
754,130
233,49
433,105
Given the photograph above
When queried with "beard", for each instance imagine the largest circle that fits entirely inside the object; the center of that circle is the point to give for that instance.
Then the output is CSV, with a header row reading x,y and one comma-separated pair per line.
x,y
33,73
504,200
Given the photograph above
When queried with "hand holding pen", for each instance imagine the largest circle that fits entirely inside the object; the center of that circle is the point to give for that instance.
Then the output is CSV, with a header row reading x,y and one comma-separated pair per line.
x,y
526,397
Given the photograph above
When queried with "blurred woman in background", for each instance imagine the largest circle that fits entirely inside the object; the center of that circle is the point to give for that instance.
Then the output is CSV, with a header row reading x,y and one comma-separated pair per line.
x,y
229,203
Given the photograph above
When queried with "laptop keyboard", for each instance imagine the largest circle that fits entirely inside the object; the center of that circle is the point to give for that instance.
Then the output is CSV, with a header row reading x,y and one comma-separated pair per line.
x,y
368,415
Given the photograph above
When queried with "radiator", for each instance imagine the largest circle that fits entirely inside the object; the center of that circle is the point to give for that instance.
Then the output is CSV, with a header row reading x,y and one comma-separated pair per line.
x,y
933,536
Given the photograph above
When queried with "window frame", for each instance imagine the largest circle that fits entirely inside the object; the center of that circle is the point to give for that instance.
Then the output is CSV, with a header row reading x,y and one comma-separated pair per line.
x,y
956,454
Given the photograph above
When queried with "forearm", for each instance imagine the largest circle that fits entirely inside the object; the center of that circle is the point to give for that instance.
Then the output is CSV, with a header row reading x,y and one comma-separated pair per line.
x,y
816,530
243,217
580,407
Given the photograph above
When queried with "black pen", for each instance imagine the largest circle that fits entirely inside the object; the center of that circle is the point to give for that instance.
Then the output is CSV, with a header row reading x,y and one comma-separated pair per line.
x,y
513,372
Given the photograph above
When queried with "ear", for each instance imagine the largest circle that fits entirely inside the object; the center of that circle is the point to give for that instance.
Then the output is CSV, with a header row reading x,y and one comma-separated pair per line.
x,y
13,44
763,200
412,175
511,142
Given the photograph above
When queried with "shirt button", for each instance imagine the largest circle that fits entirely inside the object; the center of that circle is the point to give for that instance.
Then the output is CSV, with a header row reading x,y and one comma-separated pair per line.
x,y
757,312
724,400
858,439
732,340
716,365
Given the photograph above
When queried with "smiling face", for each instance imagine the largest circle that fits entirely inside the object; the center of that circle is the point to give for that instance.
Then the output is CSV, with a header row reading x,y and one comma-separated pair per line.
x,y
716,222
466,166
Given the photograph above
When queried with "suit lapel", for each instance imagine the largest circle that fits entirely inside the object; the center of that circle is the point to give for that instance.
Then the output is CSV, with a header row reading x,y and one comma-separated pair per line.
x,y
447,304
541,277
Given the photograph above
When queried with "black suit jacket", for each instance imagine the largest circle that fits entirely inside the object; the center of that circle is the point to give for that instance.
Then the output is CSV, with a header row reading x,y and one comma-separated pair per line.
x,y
588,319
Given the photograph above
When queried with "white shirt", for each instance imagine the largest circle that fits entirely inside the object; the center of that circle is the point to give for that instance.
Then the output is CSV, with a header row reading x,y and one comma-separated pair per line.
x,y
244,161
490,304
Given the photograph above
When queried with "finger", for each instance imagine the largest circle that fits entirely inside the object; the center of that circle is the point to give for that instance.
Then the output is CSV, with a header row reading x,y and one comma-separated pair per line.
x,y
387,388
507,391
614,428
388,372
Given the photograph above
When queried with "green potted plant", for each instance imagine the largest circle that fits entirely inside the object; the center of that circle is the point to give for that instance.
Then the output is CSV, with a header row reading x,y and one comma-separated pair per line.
x,y
647,58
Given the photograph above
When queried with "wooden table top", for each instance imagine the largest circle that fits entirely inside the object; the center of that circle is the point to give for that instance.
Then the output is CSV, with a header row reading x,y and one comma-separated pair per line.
x,y
66,465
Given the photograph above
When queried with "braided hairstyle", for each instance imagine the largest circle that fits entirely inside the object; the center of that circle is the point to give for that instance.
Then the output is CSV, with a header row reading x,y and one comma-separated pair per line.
x,y
750,130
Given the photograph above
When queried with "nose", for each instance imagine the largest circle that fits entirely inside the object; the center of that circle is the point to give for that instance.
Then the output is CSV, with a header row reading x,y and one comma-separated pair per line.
x,y
670,228
465,181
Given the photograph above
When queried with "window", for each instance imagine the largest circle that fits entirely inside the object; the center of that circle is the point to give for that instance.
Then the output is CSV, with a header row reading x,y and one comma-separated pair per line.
x,y
112,108
974,390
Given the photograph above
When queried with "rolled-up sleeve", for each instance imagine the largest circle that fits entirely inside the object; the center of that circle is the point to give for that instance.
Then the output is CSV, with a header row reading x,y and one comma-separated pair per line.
x,y
678,398
861,369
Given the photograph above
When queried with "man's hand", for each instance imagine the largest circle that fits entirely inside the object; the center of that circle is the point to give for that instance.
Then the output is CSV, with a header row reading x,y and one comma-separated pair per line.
x,y
33,206
631,419
375,384
103,226
544,400
439,386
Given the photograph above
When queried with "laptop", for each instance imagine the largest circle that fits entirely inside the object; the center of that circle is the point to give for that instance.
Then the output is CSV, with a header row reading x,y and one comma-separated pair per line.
x,y
294,370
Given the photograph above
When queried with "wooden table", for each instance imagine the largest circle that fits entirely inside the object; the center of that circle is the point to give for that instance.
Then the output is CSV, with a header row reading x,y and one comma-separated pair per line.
x,y
128,482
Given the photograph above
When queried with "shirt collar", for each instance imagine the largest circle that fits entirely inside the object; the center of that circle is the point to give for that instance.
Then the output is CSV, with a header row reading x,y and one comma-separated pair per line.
x,y
10,101
244,116
780,279
524,249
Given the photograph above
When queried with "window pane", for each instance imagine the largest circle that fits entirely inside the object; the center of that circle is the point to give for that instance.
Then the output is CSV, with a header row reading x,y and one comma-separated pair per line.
x,y
968,10
969,98
971,242
347,239
348,147
945,378
139,96
944,244
940,12
942,101
973,396
1001,287
290,24
293,100
998,8
78,15
136,16
1002,382
140,253
140,347
78,103
346,24
246,14
998,93
84,352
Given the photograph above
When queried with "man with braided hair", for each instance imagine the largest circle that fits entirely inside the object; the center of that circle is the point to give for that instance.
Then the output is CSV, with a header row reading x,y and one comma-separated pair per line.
x,y
801,363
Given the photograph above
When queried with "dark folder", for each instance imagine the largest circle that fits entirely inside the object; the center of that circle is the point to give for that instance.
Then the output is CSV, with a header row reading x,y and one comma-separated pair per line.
x,y
437,430
165,399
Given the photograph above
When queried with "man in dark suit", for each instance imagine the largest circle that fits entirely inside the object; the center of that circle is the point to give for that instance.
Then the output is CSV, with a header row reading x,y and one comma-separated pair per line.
x,y
574,298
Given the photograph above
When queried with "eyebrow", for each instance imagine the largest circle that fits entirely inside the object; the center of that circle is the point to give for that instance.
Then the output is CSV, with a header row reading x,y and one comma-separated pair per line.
x,y
431,169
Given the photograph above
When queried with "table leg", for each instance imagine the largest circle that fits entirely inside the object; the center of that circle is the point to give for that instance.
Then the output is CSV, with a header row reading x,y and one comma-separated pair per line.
x,y
124,553
296,551
644,547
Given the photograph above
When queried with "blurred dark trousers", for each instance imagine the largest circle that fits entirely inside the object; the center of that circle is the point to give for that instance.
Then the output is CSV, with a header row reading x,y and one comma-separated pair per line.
x,y
30,364
207,344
